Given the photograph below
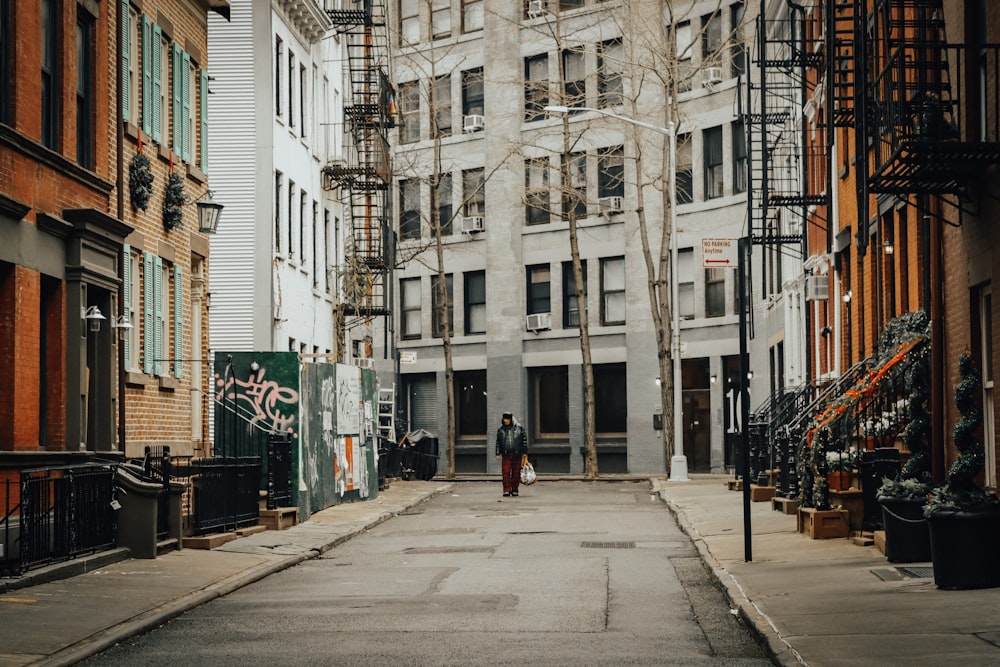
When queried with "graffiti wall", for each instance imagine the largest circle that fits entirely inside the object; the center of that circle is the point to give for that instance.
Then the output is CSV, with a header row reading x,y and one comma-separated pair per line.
x,y
329,410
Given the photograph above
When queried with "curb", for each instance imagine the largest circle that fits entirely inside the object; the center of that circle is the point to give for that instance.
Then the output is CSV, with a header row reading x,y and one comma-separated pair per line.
x,y
745,608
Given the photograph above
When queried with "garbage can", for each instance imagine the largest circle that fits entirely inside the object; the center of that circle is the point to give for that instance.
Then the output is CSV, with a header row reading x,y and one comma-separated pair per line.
x,y
876,465
419,455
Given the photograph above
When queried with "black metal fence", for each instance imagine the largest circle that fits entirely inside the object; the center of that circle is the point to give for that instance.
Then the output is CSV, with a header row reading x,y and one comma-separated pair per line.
x,y
279,470
57,514
226,493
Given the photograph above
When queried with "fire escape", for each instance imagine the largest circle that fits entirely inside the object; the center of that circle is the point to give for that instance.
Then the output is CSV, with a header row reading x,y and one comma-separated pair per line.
x,y
787,151
363,171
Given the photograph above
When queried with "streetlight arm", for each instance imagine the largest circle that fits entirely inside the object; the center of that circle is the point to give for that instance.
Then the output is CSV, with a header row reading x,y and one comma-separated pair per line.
x,y
668,131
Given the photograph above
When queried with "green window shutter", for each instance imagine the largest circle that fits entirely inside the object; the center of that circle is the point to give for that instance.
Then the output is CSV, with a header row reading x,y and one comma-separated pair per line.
x,y
148,328
127,301
176,89
158,316
185,106
157,88
147,75
178,321
126,54
203,118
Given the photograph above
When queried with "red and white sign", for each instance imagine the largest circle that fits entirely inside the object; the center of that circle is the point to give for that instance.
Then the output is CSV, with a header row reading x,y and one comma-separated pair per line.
x,y
719,253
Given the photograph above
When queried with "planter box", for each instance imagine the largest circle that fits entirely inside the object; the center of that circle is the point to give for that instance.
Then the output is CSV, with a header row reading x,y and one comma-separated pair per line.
x,y
761,494
907,538
853,501
823,524
964,548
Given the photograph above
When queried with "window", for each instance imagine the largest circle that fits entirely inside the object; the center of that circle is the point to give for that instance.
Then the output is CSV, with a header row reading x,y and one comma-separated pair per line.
x,y
539,281
303,218
161,102
715,292
574,192
325,269
161,284
445,212
685,172
713,162
6,63
180,96
470,403
409,22
129,65
685,283
475,302
711,39
610,64
473,192
570,4
203,118
409,112
50,69
537,190
613,291
315,245
441,105
437,311
131,294
472,92
409,209
279,65
191,106
611,172
685,47
303,91
440,18
536,86
739,158
571,304
549,387
472,15
982,318
290,220
291,89
409,306
279,181
610,399
574,78
738,50
84,90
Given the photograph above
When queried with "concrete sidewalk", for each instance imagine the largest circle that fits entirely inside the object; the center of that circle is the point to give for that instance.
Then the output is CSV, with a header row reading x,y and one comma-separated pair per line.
x,y
830,602
64,613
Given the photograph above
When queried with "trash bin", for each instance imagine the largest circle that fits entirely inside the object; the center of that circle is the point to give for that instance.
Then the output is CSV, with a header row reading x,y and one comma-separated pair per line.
x,y
419,455
876,466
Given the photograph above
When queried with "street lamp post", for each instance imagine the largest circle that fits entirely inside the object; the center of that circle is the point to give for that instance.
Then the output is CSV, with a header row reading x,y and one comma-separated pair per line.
x,y
678,462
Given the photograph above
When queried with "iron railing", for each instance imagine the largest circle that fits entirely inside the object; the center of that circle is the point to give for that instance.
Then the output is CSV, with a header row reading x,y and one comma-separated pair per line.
x,y
58,513
226,493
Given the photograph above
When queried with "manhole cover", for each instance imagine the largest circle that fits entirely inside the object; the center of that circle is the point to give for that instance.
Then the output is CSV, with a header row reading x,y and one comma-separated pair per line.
x,y
608,545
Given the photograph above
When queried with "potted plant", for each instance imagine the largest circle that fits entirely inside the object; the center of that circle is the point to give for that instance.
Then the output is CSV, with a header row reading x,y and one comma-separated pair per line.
x,y
840,469
964,519
902,499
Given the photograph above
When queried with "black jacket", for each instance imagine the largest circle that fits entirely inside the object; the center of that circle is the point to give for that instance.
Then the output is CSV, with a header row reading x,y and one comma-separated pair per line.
x,y
511,440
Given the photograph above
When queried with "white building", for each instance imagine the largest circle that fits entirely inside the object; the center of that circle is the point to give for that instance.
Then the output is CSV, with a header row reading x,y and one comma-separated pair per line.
x,y
275,115
484,71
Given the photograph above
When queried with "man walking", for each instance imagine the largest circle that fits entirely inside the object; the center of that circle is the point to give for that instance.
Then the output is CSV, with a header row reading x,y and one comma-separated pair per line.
x,y
512,444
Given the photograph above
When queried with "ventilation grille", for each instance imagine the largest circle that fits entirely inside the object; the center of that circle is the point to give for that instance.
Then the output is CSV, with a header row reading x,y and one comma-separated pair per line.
x,y
608,545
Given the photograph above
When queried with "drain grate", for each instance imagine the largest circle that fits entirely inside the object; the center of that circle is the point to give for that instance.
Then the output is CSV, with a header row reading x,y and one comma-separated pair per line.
x,y
918,572
608,545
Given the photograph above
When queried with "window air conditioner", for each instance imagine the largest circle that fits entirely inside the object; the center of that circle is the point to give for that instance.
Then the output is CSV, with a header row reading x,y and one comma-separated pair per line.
x,y
610,205
817,288
366,362
711,75
472,224
473,123
537,8
539,321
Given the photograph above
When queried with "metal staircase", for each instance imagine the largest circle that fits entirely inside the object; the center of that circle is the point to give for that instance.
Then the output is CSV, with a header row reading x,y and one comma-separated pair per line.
x,y
364,171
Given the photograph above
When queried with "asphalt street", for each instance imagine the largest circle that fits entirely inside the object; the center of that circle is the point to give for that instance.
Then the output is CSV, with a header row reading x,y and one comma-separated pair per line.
x,y
574,573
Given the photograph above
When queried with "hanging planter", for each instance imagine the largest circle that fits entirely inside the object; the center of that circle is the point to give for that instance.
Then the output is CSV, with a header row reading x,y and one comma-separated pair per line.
x,y
173,201
140,181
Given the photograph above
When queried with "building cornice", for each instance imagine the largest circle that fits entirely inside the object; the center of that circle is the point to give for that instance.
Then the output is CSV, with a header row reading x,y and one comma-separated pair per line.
x,y
308,18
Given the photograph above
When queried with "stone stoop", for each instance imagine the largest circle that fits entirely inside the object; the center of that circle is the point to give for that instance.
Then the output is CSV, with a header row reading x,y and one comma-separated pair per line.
x,y
879,539
735,484
280,518
862,538
761,494
251,530
785,505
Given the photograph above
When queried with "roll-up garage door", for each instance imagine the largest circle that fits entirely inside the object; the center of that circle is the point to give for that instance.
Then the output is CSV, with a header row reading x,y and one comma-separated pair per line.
x,y
423,406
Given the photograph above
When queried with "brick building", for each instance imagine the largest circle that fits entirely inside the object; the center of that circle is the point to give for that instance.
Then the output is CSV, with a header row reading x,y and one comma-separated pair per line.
x,y
101,300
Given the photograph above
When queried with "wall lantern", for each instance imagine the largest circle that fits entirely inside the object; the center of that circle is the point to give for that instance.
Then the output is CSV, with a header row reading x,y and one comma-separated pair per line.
x,y
93,316
209,211
123,325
